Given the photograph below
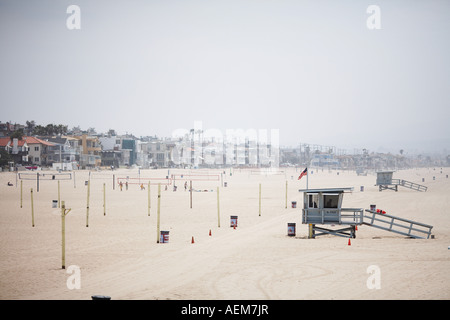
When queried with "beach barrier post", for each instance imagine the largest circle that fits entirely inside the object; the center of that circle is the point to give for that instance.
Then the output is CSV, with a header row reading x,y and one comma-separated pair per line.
x,y
32,209
158,220
87,203
64,212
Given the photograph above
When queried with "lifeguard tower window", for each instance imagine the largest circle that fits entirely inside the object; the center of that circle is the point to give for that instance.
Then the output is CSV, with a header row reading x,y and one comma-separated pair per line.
x,y
313,200
331,201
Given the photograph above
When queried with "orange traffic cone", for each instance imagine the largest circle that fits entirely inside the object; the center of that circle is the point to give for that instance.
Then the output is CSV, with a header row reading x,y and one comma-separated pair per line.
x,y
192,240
356,228
349,242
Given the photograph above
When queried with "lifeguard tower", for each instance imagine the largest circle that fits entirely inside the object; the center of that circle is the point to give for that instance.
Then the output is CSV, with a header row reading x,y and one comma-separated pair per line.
x,y
385,181
324,207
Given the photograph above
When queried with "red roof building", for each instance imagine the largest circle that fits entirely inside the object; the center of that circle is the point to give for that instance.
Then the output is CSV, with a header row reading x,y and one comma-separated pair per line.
x,y
26,150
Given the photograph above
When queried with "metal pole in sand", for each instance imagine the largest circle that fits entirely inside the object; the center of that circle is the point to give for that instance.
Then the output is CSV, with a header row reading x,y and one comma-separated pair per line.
x,y
149,204
218,208
87,204
104,199
21,191
158,214
32,209
286,193
260,199
59,196
307,175
311,230
64,212
63,235
191,192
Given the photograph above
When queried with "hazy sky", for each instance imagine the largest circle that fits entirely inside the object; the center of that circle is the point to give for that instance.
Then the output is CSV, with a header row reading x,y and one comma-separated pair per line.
x,y
312,69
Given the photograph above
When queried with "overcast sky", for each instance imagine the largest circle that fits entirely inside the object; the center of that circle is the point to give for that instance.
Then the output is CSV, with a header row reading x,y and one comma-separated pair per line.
x,y
312,69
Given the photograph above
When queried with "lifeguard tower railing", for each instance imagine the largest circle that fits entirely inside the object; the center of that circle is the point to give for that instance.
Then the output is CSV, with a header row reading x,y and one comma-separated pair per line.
x,y
347,216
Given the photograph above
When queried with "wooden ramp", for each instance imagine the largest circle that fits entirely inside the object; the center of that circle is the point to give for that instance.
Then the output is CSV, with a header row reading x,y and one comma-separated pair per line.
x,y
398,225
403,183
412,185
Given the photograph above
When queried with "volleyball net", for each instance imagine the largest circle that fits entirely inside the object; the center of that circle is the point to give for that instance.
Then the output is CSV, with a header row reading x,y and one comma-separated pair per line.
x,y
44,176
197,177
169,179
144,181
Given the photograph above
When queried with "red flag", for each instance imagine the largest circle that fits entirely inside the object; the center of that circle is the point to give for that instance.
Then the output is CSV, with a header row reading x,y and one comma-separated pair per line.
x,y
304,172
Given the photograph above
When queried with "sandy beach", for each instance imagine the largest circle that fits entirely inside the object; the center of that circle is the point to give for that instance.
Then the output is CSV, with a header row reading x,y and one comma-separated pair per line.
x,y
118,254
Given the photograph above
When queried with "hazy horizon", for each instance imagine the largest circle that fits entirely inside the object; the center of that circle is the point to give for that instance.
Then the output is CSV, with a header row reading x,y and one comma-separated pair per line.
x,y
311,69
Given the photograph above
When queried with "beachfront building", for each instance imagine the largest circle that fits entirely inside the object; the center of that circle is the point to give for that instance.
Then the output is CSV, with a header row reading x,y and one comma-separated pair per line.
x,y
90,155
160,153
63,150
38,150
111,154
324,160
194,152
128,147
16,148
125,150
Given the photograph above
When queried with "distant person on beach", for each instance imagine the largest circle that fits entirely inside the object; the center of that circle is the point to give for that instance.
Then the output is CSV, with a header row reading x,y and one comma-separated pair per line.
x,y
120,185
185,185
142,186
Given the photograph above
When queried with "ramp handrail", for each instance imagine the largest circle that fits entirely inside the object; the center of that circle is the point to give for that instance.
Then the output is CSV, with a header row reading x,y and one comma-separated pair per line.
x,y
392,221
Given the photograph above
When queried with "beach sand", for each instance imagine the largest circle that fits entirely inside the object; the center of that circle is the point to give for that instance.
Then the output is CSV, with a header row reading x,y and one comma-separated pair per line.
x,y
118,254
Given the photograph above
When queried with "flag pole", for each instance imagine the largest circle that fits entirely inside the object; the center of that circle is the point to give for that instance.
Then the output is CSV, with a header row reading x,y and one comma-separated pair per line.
x,y
307,175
